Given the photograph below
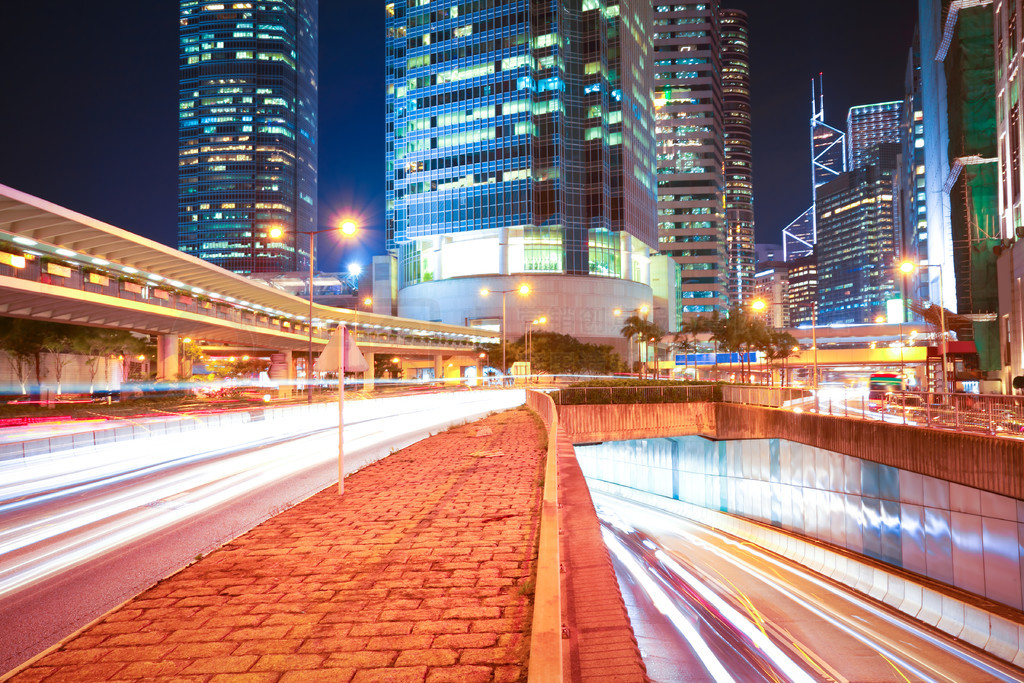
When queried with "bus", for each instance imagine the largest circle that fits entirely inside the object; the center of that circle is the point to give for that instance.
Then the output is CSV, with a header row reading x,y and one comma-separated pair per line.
x,y
881,385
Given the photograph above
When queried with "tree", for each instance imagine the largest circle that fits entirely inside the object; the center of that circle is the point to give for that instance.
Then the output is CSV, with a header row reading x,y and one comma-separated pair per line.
x,y
781,345
686,338
22,340
99,343
633,326
58,342
652,333
555,353
188,353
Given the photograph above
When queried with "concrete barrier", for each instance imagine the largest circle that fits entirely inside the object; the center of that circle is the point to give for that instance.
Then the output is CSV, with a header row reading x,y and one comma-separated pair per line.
x,y
1004,638
546,631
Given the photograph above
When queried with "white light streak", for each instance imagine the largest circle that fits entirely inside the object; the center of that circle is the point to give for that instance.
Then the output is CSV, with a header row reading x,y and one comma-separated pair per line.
x,y
667,606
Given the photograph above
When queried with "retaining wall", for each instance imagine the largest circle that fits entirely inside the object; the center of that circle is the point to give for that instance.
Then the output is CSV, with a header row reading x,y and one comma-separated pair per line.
x,y
988,463
940,505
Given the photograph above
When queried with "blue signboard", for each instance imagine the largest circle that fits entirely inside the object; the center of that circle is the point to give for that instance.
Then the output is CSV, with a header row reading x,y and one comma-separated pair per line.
x,y
714,359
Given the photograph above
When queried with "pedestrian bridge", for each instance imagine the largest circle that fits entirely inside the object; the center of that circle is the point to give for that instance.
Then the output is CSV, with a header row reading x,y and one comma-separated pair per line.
x,y
61,266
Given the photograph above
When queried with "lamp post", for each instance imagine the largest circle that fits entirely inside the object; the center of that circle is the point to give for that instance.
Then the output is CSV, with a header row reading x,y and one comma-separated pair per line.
x,y
347,228
907,267
522,290
814,346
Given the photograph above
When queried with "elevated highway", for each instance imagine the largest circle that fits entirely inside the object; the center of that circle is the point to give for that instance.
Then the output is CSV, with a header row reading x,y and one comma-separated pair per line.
x,y
58,265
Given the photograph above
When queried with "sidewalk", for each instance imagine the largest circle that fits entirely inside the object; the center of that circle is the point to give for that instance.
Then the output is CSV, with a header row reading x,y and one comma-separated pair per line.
x,y
422,571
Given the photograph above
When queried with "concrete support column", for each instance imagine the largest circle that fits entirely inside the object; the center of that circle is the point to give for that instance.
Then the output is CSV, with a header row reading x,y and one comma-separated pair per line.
x,y
438,366
368,373
503,251
167,367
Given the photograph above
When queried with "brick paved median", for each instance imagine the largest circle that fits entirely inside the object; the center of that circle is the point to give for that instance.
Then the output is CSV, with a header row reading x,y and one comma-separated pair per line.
x,y
422,571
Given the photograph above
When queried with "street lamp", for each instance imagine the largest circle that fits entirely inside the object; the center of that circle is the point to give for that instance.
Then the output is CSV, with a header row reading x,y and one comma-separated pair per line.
x,y
906,268
347,228
522,290
355,323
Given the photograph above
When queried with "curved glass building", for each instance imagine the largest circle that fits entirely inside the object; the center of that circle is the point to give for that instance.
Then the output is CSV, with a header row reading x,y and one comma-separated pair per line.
x,y
247,146
520,148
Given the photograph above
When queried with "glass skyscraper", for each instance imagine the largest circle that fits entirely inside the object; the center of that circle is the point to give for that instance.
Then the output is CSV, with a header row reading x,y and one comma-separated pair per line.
x,y
691,155
868,125
739,175
520,147
857,240
247,142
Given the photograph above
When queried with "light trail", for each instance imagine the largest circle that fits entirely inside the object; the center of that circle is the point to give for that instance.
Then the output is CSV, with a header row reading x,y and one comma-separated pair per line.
x,y
907,649
64,509
667,606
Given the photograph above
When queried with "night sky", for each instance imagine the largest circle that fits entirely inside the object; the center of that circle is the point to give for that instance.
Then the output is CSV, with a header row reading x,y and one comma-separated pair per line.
x,y
88,111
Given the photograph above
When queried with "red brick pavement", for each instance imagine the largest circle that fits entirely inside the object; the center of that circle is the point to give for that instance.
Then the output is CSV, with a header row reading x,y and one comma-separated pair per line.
x,y
422,571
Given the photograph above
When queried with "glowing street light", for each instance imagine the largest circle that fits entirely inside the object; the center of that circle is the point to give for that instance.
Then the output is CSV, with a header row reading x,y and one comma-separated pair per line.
x,y
346,228
522,290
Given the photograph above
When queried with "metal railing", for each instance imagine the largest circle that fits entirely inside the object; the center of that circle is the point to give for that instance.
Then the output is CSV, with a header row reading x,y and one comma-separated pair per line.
x,y
656,394
992,414
979,413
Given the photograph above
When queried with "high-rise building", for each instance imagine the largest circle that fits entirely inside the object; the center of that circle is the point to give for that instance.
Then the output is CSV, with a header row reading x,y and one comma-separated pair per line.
x,y
828,143
771,285
802,290
798,236
938,257
868,125
856,249
247,132
913,229
765,253
520,150
739,179
691,179
828,160
1009,122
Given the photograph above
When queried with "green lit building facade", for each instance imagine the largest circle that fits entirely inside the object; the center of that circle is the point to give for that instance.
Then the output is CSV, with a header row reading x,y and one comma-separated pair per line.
x,y
520,148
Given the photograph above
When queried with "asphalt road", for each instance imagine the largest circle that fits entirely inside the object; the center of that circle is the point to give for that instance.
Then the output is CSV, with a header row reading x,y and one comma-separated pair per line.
x,y
707,607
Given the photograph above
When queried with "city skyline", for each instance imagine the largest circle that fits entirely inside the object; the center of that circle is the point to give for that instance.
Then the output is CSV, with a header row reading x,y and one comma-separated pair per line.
x,y
110,152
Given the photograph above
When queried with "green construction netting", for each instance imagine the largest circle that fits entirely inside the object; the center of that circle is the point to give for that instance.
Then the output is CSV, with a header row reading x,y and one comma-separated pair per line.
x,y
986,341
970,75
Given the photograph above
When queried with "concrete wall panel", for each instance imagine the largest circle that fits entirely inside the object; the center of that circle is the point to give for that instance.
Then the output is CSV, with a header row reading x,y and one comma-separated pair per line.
x,y
968,556
1002,561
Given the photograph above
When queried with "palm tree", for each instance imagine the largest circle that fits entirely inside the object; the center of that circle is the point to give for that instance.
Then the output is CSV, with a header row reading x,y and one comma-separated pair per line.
x,y
686,338
652,333
633,326
781,345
